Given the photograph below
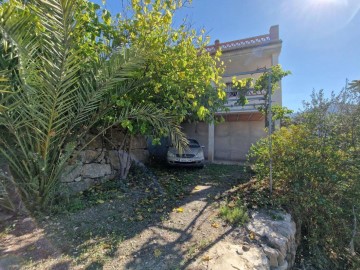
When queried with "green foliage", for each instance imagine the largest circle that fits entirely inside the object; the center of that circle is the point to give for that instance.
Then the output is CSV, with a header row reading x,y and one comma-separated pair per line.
x,y
179,72
316,168
179,77
234,212
261,86
281,113
58,94
276,74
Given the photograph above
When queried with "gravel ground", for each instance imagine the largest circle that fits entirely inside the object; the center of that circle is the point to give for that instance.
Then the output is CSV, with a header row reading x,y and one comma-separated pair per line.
x,y
132,229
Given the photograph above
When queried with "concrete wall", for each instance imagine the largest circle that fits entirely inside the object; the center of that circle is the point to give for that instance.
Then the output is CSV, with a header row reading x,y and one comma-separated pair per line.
x,y
243,60
234,139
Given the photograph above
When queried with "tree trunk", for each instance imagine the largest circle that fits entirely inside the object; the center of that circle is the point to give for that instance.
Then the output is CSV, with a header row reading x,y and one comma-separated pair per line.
x,y
125,160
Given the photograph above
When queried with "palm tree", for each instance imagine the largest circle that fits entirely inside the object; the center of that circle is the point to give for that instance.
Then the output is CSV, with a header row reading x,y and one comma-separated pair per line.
x,y
53,102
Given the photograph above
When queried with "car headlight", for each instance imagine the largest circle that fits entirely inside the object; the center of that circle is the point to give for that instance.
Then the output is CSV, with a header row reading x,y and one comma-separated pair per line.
x,y
171,154
200,154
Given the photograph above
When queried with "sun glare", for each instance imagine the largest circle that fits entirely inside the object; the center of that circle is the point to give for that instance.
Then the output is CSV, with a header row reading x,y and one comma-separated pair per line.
x,y
331,2
319,18
326,1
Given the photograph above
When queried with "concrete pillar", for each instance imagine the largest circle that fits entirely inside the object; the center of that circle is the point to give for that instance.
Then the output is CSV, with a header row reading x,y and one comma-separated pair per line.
x,y
278,93
211,140
217,44
274,32
277,97
274,59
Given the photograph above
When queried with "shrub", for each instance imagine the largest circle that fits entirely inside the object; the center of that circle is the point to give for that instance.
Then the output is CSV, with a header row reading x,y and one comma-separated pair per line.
x,y
316,172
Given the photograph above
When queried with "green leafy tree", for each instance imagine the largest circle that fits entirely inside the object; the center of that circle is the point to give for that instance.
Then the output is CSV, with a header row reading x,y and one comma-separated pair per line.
x,y
55,100
179,71
179,76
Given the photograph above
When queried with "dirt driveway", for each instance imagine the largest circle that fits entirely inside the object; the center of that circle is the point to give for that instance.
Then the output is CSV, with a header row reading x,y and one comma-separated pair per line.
x,y
128,225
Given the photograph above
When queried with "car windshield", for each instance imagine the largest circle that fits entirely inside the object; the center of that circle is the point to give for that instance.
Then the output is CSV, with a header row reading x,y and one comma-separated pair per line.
x,y
193,143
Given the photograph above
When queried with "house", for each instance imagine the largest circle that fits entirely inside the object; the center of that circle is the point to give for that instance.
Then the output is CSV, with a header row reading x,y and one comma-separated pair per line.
x,y
243,125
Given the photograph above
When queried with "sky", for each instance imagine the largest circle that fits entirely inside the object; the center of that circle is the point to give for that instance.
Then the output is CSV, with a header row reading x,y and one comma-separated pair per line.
x,y
321,38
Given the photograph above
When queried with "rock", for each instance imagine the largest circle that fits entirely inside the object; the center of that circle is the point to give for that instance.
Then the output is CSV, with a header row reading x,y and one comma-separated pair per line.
x,y
239,252
116,137
101,155
28,219
78,179
95,170
81,156
273,249
75,187
272,255
281,258
284,266
114,161
277,237
92,156
96,143
225,256
104,179
70,173
141,155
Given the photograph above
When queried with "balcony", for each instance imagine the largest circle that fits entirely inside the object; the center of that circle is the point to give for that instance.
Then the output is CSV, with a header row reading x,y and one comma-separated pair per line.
x,y
255,100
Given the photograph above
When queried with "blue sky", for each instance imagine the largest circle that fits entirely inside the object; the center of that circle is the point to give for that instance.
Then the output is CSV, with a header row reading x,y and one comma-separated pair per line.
x,y
321,38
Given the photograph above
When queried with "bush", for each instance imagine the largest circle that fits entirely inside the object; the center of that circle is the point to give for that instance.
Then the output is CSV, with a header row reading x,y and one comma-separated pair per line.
x,y
234,212
316,177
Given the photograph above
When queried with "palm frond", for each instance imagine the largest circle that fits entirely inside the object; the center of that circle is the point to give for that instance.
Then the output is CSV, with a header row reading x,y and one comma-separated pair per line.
x,y
55,102
162,123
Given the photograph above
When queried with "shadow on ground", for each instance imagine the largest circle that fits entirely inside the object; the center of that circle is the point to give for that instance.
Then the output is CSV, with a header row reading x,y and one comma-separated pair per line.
x,y
104,234
189,243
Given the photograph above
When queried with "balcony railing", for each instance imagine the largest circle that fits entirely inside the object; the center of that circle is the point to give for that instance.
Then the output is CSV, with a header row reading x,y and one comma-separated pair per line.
x,y
255,100
232,93
247,42
241,43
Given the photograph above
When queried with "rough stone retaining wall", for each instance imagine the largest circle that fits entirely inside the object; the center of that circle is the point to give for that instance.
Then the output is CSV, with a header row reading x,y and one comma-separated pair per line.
x,y
276,238
269,244
100,162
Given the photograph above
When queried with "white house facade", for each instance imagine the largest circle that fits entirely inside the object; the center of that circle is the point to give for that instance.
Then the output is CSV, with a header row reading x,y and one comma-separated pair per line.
x,y
243,125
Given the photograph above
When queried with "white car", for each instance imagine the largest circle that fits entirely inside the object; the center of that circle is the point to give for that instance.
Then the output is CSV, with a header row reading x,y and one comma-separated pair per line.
x,y
193,155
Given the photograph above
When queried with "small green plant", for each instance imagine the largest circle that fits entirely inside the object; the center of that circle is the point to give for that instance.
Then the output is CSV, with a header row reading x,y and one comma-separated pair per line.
x,y
234,212
197,247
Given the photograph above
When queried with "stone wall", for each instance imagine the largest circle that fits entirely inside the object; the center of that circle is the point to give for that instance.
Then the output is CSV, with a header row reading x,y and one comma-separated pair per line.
x,y
100,162
266,243
276,235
